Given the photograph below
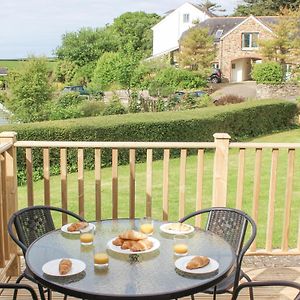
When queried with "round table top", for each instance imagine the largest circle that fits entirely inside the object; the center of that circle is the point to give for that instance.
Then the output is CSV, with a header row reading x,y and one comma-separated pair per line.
x,y
153,275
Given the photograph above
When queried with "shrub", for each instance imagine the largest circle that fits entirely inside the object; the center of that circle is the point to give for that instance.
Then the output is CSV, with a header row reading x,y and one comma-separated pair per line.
x,y
247,119
92,108
69,99
114,107
229,99
269,72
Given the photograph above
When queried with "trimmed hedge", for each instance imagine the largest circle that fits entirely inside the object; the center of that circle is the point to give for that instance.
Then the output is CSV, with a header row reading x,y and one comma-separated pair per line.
x,y
243,120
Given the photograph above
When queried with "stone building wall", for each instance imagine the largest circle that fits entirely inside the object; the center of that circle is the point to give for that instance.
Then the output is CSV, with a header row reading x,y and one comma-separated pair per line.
x,y
230,48
279,91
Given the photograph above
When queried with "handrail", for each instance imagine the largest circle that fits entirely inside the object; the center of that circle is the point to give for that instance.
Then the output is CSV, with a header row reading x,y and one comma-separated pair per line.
x,y
128,145
4,147
265,145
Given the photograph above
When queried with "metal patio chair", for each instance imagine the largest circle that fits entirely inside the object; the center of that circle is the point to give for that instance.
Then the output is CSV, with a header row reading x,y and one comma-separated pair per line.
x,y
31,223
230,224
15,286
253,284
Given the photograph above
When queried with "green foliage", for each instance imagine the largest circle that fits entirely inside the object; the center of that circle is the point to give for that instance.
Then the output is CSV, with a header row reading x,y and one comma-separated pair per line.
x,y
160,104
69,99
197,49
86,45
65,71
31,91
91,108
134,105
242,120
265,7
134,28
84,74
189,101
267,72
115,107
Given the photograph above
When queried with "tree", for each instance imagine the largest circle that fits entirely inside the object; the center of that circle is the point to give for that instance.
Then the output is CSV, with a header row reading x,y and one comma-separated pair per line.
x,y
210,6
86,45
31,91
265,7
284,46
197,49
135,28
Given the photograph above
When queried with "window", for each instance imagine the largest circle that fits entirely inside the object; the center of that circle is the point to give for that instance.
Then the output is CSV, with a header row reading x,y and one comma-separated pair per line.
x,y
249,40
186,18
219,33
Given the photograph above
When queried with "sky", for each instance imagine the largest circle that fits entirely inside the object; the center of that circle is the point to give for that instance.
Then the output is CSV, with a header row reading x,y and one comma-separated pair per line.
x,y
35,27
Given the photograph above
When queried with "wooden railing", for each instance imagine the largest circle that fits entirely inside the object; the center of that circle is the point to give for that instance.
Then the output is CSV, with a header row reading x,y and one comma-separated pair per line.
x,y
216,177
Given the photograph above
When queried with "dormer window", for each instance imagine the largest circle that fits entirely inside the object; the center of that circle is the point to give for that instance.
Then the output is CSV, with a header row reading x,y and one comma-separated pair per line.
x,y
249,40
186,18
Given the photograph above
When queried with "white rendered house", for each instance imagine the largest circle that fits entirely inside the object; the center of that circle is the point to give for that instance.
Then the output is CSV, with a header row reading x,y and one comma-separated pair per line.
x,y
168,31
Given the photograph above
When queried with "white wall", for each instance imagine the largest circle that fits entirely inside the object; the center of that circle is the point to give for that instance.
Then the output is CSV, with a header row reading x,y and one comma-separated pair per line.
x,y
168,31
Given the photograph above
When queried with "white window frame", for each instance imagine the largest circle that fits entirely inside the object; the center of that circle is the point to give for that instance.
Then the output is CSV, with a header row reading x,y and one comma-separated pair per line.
x,y
250,40
186,18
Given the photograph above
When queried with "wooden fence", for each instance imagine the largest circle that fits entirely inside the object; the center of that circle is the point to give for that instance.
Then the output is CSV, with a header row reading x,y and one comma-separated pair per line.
x,y
220,149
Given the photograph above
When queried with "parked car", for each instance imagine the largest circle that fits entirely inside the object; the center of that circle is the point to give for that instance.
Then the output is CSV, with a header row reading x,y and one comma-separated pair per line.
x,y
216,76
75,88
180,94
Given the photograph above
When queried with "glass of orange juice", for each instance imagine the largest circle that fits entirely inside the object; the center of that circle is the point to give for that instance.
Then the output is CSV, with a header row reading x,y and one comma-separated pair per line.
x,y
180,245
87,236
146,225
101,259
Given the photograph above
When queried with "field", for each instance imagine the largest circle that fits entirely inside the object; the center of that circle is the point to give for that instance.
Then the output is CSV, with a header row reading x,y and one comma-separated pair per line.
x,y
16,65
123,184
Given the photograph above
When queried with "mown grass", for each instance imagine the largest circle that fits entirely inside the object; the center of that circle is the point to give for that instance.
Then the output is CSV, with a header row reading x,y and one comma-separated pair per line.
x,y
17,65
123,185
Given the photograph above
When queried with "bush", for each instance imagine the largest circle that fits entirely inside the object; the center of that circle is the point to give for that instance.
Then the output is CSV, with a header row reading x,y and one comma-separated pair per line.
x,y
92,108
66,100
247,119
229,99
114,107
268,72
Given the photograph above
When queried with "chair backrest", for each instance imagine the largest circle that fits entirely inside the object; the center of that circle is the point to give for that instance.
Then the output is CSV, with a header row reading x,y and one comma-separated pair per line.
x,y
18,286
32,222
230,224
283,283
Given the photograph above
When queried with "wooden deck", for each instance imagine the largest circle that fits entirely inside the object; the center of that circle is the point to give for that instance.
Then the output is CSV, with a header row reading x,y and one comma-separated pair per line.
x,y
256,273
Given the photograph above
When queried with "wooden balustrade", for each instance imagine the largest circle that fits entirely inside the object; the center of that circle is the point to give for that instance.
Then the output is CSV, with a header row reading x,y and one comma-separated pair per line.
x,y
242,191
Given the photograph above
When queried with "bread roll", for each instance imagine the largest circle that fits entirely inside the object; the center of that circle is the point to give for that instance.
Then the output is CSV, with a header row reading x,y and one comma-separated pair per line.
x,y
132,235
65,266
118,242
197,262
77,226
141,245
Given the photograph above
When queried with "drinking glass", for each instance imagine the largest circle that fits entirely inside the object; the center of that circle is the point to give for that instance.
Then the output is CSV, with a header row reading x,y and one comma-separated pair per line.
x,y
101,258
146,225
87,236
180,245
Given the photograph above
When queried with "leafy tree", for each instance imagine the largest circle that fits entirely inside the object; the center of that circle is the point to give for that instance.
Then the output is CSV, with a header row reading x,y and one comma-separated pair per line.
x,y
197,49
211,6
65,71
86,45
265,7
135,28
284,46
31,91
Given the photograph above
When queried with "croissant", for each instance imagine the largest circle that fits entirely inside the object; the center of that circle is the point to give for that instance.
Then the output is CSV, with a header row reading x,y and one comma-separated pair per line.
x,y
132,235
118,242
197,262
128,244
65,266
77,226
141,245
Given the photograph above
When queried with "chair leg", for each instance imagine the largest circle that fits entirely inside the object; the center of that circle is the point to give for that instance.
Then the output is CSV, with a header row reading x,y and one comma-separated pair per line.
x,y
193,297
250,288
41,290
49,294
16,290
215,293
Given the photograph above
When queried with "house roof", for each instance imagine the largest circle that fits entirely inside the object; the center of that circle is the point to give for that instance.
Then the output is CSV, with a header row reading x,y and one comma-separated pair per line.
x,y
3,71
228,24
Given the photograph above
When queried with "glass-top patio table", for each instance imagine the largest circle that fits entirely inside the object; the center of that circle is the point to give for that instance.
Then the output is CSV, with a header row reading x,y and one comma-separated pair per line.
x,y
151,276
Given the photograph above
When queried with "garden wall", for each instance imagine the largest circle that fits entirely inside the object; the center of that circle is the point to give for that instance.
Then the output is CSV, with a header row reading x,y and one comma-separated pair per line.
x,y
278,91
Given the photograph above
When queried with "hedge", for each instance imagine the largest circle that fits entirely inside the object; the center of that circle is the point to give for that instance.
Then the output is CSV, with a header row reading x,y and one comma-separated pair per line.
x,y
249,119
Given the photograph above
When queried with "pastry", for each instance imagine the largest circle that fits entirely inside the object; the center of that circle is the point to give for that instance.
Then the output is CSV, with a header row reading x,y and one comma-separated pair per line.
x,y
132,235
77,226
178,227
197,262
65,266
118,242
141,245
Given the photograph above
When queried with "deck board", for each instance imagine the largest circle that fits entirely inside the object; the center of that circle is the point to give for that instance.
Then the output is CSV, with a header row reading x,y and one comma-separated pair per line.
x,y
267,293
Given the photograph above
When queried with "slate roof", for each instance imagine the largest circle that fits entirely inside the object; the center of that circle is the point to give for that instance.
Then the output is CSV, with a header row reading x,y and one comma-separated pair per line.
x,y
3,71
228,23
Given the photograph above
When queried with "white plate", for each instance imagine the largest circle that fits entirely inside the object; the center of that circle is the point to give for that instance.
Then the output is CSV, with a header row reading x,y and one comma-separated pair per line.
x,y
118,249
64,228
52,267
167,228
181,263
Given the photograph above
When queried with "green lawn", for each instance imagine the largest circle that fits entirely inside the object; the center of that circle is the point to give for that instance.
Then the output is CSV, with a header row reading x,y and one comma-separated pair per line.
x,y
289,136
16,65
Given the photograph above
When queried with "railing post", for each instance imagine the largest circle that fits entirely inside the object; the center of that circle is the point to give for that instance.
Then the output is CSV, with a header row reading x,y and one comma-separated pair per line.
x,y
11,196
220,171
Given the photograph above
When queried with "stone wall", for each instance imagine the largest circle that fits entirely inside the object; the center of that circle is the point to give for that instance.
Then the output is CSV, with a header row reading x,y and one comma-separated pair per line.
x,y
279,91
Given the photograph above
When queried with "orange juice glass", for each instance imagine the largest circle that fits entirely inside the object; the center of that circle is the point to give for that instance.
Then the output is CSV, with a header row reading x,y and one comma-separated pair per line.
x,y
101,260
146,225
87,236
180,246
